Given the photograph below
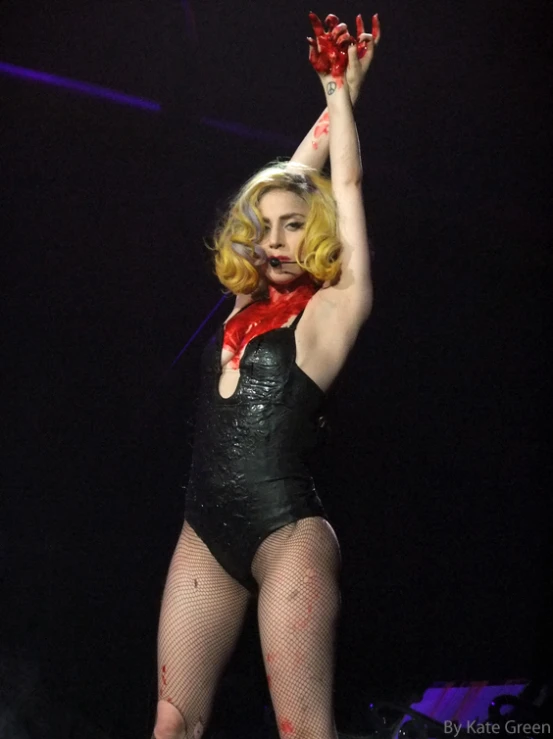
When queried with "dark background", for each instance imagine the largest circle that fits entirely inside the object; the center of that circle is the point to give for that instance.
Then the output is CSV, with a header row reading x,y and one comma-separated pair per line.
x,y
437,483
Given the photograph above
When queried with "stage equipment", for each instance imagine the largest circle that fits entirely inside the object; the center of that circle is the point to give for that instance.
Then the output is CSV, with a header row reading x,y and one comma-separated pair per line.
x,y
460,710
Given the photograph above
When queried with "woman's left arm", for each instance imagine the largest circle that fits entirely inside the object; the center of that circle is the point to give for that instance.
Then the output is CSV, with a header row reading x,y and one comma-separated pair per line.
x,y
352,295
354,288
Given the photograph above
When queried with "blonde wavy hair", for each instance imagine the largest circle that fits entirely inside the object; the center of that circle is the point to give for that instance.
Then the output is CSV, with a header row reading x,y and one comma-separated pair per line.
x,y
236,240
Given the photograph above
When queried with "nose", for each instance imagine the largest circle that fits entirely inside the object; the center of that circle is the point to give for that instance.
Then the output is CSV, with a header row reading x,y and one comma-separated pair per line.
x,y
275,240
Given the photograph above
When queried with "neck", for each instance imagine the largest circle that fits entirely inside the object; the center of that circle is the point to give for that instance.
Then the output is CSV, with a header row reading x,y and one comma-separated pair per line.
x,y
304,285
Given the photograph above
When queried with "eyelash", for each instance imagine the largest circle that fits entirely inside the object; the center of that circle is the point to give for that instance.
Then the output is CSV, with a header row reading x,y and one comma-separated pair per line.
x,y
295,224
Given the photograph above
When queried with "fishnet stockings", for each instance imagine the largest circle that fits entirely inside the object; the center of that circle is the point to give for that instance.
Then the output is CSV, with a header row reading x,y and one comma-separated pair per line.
x,y
201,618
297,568
203,610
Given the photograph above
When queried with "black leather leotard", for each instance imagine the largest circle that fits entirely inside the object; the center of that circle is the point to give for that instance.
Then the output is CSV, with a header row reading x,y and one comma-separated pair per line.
x,y
250,473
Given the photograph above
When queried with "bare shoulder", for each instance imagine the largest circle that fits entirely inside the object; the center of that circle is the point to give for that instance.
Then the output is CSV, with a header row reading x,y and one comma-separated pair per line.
x,y
240,301
326,334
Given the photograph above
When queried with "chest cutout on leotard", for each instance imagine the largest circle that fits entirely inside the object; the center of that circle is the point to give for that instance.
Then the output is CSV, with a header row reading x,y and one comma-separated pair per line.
x,y
259,317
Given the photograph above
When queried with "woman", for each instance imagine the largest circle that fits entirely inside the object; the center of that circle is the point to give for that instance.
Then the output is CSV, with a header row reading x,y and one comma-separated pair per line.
x,y
293,246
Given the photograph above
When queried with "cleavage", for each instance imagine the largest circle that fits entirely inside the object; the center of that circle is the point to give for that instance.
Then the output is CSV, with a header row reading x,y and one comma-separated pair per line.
x,y
229,377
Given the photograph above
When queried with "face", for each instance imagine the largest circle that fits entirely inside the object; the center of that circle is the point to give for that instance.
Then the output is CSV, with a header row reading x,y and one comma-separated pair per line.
x,y
284,215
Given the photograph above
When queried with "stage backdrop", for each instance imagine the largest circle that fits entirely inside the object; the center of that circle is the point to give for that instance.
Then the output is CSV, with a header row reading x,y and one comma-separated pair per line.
x,y
436,470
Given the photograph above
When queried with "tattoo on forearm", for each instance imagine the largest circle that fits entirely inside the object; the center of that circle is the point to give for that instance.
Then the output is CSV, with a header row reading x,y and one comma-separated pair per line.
x,y
331,88
321,129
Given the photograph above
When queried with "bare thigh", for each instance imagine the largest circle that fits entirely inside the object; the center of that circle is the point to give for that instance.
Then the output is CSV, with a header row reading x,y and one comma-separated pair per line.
x,y
201,618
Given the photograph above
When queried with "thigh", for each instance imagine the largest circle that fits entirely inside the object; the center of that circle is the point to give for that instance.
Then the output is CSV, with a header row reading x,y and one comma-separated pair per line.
x,y
298,610
201,618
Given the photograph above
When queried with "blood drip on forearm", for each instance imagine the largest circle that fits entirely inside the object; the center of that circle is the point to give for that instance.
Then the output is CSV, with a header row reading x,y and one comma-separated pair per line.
x,y
322,128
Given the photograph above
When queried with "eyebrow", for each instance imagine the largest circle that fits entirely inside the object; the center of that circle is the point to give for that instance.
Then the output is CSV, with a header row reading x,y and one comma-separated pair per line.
x,y
286,216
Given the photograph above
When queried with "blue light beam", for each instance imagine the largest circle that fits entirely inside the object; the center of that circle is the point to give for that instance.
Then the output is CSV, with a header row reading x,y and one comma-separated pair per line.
x,y
197,331
122,98
239,129
84,88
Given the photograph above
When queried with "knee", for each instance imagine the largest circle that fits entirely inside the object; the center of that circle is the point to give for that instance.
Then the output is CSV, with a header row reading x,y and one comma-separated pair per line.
x,y
169,722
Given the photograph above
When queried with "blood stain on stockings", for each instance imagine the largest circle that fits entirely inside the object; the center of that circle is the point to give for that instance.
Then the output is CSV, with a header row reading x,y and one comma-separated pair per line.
x,y
286,726
163,686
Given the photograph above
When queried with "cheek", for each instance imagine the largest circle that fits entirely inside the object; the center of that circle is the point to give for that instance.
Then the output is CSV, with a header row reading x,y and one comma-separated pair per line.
x,y
298,238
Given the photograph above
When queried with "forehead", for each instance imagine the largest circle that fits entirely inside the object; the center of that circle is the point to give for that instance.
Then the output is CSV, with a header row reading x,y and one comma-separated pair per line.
x,y
282,201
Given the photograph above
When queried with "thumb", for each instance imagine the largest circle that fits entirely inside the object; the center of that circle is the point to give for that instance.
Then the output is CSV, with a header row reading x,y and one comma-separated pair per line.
x,y
353,58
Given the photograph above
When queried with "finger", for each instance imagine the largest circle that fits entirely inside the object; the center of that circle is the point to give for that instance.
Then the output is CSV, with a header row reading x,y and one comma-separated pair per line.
x,y
318,27
331,21
365,38
314,57
353,56
345,41
360,25
313,51
376,28
363,44
318,61
336,32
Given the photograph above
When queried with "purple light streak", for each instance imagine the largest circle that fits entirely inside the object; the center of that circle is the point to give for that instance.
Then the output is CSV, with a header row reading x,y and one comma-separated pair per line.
x,y
84,88
469,702
121,98
197,331
239,129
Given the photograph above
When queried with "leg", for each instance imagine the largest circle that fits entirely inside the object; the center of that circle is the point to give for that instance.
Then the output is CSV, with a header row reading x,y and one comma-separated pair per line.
x,y
201,618
297,571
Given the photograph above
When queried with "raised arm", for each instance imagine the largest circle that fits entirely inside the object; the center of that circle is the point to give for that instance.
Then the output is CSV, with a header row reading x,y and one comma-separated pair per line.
x,y
314,149
352,295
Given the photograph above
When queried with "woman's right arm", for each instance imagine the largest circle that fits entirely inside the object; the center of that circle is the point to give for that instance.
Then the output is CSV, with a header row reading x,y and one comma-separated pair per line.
x,y
314,149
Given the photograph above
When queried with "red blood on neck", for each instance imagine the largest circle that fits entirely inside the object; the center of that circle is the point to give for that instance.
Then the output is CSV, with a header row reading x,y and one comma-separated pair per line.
x,y
283,303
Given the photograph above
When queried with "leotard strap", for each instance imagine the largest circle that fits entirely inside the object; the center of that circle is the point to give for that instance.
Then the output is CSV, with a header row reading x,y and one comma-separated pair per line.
x,y
296,320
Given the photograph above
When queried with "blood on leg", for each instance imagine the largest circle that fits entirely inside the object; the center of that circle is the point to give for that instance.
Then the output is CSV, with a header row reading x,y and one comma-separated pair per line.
x,y
298,609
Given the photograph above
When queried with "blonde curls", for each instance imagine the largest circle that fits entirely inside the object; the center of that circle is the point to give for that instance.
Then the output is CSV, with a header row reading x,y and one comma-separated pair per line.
x,y
236,240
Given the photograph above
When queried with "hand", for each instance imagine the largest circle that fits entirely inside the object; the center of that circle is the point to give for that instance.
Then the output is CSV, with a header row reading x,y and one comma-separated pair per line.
x,y
329,50
359,65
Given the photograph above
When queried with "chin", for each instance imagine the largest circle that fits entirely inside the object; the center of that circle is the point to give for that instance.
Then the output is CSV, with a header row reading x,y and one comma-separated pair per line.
x,y
281,278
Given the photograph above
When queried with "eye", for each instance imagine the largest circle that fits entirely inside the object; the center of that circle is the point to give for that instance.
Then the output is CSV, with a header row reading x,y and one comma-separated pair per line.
x,y
294,225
